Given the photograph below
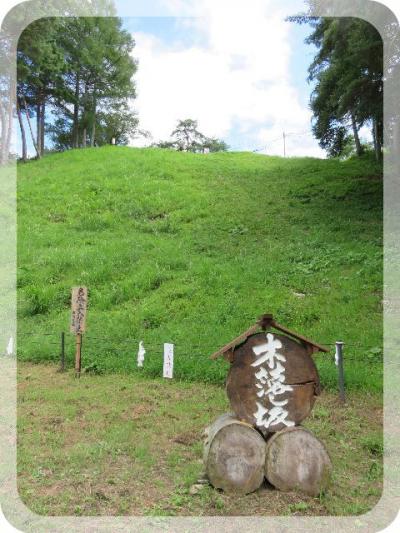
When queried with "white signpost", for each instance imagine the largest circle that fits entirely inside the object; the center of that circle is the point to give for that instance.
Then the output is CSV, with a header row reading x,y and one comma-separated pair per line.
x,y
141,354
10,347
168,368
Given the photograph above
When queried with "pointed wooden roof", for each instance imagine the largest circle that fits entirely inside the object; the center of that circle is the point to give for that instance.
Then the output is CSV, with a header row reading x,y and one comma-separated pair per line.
x,y
265,322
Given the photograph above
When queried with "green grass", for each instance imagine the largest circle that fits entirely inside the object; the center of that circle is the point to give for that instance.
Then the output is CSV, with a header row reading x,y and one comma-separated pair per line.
x,y
191,249
139,454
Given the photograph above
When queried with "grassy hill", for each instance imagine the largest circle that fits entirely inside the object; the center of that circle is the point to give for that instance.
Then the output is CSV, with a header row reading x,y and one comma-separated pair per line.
x,y
190,249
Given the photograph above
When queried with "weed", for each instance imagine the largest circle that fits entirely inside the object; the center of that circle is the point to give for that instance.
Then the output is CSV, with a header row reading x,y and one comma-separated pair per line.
x,y
373,443
299,506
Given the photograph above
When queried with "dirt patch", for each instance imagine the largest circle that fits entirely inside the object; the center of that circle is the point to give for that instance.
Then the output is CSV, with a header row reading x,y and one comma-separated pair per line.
x,y
188,438
138,412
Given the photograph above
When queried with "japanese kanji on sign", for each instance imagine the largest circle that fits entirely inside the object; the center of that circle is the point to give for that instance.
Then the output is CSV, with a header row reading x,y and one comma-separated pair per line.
x,y
273,381
272,384
78,309
78,322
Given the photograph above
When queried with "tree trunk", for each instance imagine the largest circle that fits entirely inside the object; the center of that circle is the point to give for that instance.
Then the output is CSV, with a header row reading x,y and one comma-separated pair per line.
x,y
38,127
234,455
85,117
8,121
377,138
374,135
296,460
23,135
356,136
30,128
42,132
3,134
75,140
93,132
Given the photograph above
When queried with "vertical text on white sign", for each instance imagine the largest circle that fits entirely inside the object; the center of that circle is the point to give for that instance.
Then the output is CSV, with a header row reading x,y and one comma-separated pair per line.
x,y
168,368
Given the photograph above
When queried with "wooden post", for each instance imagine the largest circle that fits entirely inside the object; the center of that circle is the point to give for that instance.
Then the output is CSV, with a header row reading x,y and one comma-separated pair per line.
x,y
62,353
78,352
78,322
339,363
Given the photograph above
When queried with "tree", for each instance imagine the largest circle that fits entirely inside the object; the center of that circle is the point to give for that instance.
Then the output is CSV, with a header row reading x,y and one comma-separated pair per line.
x,y
116,122
214,145
19,17
100,67
61,133
348,76
169,145
39,72
72,66
186,137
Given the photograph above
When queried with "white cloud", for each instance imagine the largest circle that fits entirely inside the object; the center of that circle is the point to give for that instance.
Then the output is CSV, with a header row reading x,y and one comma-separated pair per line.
x,y
236,83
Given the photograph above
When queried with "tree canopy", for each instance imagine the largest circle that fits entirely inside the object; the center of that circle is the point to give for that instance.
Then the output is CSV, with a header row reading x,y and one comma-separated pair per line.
x,y
186,137
82,69
348,75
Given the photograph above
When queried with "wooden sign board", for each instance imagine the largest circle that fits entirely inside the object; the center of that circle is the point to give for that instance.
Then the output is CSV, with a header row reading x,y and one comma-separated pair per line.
x,y
78,309
272,382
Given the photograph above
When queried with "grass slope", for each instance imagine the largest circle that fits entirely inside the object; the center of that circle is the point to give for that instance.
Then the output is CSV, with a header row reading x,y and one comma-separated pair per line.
x,y
192,248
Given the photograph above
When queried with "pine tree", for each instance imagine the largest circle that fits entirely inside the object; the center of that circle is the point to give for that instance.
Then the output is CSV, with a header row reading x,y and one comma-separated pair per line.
x,y
39,71
77,68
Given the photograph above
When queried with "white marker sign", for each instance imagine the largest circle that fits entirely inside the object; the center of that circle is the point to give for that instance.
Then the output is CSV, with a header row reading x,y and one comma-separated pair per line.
x,y
271,383
141,354
10,346
168,368
337,356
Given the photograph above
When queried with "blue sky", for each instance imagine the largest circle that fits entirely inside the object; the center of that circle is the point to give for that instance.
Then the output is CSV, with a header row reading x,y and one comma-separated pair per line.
x,y
242,73
236,66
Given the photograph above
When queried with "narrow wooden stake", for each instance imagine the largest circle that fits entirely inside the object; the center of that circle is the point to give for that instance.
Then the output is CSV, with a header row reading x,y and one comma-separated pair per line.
x,y
62,354
78,355
339,363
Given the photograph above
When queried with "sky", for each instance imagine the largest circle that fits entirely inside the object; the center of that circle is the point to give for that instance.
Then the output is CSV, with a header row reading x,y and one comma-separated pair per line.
x,y
236,66
240,72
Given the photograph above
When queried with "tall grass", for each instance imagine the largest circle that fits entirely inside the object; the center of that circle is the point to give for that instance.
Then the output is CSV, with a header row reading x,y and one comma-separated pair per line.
x,y
193,248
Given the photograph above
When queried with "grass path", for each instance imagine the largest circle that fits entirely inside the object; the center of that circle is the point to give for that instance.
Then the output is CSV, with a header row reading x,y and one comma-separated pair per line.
x,y
127,444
